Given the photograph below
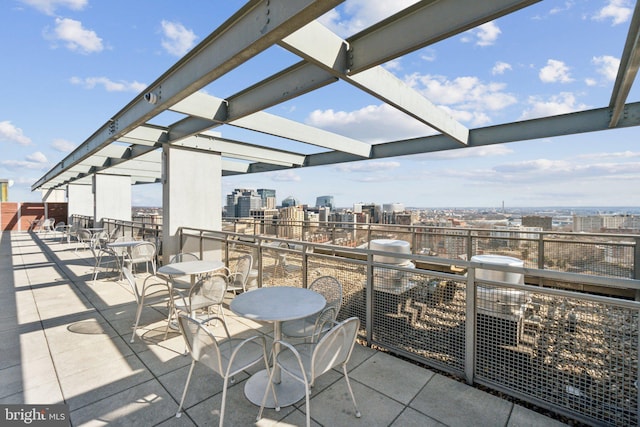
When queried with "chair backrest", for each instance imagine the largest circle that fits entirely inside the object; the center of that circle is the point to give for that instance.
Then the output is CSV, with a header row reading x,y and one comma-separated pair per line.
x,y
183,256
241,273
201,343
60,224
132,283
101,237
211,287
83,235
335,347
331,289
143,250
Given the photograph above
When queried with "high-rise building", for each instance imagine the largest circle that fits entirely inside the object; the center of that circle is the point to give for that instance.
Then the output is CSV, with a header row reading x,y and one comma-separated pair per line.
x,y
246,204
290,201
290,220
325,201
233,202
268,198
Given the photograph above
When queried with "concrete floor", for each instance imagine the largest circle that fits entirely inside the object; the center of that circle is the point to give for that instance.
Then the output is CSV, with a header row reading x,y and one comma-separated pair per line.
x,y
64,339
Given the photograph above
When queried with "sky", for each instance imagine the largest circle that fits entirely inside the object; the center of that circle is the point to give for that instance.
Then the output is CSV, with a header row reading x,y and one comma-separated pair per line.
x,y
69,65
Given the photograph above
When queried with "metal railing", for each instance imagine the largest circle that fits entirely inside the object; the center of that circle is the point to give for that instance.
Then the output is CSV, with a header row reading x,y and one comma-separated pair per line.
x,y
571,352
601,254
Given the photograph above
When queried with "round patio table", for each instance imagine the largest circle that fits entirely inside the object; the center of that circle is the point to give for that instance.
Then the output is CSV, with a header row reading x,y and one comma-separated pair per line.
x,y
276,305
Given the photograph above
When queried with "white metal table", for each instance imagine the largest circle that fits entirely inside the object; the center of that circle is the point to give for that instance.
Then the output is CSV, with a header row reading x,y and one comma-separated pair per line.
x,y
191,268
276,304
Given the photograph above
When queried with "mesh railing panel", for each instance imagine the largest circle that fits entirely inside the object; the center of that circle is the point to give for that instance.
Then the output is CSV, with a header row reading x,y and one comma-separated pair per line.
x,y
571,353
352,276
601,259
422,314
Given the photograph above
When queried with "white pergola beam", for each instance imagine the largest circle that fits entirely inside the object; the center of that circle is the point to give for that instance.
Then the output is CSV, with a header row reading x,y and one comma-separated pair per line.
x,y
319,45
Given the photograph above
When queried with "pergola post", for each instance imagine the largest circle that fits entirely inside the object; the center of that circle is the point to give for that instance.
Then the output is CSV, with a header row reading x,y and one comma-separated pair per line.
x,y
80,200
112,197
191,197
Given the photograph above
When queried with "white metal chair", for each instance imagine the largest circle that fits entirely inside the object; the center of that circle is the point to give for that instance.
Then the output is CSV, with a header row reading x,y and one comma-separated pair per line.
x,y
102,252
331,289
143,252
238,279
208,292
47,226
307,361
84,238
182,283
226,358
62,229
153,292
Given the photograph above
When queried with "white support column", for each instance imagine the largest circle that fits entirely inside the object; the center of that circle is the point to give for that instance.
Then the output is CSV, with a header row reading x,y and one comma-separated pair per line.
x,y
80,199
112,197
191,197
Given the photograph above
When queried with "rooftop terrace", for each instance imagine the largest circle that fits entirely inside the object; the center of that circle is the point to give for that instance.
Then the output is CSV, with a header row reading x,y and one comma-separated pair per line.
x,y
65,340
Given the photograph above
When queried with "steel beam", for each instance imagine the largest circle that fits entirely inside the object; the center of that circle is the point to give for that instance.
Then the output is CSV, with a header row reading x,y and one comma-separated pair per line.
x,y
254,28
421,25
628,68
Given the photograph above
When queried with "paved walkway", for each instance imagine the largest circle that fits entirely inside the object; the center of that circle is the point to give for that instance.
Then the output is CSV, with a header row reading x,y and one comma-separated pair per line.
x,y
64,339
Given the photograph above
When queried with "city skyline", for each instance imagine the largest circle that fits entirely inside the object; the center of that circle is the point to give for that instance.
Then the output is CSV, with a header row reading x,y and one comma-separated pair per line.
x,y
80,68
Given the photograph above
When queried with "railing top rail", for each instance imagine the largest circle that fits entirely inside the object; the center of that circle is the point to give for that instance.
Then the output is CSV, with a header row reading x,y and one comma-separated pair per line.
x,y
421,227
336,249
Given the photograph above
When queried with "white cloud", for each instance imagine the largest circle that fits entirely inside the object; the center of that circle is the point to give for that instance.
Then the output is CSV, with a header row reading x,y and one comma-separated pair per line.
x,y
76,37
9,132
428,54
559,9
359,14
487,34
607,66
35,160
618,11
177,40
562,103
366,167
49,6
555,71
614,155
373,123
37,157
108,84
500,67
463,153
63,145
483,35
285,176
467,93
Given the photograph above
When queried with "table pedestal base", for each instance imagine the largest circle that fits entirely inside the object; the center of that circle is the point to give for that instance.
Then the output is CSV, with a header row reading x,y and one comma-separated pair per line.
x,y
289,391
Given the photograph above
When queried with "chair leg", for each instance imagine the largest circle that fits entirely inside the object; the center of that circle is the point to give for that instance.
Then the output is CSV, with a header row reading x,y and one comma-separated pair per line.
x,y
138,313
224,398
186,386
353,398
273,390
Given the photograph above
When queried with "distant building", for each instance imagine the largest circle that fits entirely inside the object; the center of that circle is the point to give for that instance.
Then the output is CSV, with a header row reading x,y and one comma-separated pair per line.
x,y
543,222
268,198
246,204
290,201
393,207
290,222
4,190
237,209
325,201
